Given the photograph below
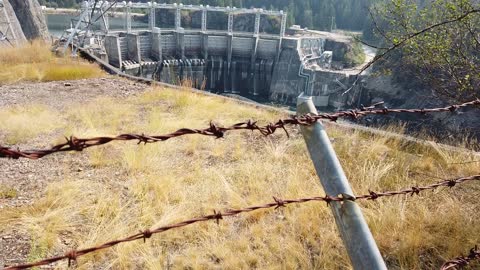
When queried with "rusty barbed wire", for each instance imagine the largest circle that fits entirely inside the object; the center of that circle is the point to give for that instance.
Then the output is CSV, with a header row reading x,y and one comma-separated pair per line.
x,y
466,162
462,261
77,144
217,216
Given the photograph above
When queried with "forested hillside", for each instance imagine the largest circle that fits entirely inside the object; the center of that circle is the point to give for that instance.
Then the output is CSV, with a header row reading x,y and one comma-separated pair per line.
x,y
314,14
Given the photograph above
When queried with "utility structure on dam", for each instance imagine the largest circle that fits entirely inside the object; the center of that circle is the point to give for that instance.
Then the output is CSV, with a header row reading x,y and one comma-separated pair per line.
x,y
220,49
7,34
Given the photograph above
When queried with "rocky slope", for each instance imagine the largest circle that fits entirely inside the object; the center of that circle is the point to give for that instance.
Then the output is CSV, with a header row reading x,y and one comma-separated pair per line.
x,y
26,18
31,18
448,128
16,27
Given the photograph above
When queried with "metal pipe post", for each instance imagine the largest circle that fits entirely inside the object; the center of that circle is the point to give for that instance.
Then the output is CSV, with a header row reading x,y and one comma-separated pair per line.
x,y
354,231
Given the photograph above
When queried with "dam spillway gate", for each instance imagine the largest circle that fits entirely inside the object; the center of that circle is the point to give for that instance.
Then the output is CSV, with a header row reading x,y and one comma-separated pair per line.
x,y
220,49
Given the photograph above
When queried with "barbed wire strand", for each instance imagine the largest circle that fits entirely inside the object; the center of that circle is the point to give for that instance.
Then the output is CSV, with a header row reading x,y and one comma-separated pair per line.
x,y
466,162
76,144
462,261
217,216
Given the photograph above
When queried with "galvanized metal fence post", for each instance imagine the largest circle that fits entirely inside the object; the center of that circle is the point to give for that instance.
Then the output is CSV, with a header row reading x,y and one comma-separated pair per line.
x,y
354,231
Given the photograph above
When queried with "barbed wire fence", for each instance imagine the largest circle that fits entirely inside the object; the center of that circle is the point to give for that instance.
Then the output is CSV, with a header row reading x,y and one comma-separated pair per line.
x,y
75,144
462,261
277,203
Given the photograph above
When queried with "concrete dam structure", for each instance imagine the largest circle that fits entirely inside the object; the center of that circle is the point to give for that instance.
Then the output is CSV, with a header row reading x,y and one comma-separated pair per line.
x,y
250,58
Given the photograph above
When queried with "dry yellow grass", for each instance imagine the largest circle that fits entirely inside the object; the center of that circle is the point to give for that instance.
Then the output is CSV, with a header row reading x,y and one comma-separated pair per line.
x,y
35,62
190,176
16,122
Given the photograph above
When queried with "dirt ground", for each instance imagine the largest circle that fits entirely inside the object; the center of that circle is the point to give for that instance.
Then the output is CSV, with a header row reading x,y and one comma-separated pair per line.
x,y
28,178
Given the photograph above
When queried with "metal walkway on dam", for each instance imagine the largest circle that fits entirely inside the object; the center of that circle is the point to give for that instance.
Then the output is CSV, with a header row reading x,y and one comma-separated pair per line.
x,y
214,53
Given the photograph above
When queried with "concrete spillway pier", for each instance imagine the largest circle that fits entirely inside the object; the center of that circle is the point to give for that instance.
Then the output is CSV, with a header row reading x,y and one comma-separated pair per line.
x,y
220,56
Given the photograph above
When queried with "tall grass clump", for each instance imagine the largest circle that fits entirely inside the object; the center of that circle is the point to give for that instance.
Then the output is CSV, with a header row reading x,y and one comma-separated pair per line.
x,y
16,122
35,62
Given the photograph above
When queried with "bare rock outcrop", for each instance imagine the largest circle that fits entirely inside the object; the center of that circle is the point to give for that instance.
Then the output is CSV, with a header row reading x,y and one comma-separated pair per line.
x,y
445,127
13,32
31,18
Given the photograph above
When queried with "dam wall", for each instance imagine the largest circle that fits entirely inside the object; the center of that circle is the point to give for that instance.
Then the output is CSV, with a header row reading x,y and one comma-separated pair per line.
x,y
230,59
240,64
230,63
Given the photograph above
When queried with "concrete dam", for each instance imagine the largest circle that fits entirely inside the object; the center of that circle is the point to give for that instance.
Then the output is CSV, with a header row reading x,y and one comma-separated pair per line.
x,y
248,52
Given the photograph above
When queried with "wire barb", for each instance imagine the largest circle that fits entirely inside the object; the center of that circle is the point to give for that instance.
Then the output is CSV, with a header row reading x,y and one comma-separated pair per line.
x,y
415,191
280,202
217,216
146,235
373,195
71,256
328,199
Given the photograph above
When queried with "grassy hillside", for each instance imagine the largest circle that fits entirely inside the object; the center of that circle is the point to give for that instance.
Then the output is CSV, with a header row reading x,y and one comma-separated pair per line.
x,y
35,62
113,191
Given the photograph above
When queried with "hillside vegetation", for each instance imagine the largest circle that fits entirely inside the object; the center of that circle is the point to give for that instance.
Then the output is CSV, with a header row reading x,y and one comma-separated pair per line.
x,y
113,191
35,62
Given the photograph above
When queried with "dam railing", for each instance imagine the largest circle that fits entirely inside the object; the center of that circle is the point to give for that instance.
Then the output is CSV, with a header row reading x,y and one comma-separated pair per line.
x,y
204,9
94,11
